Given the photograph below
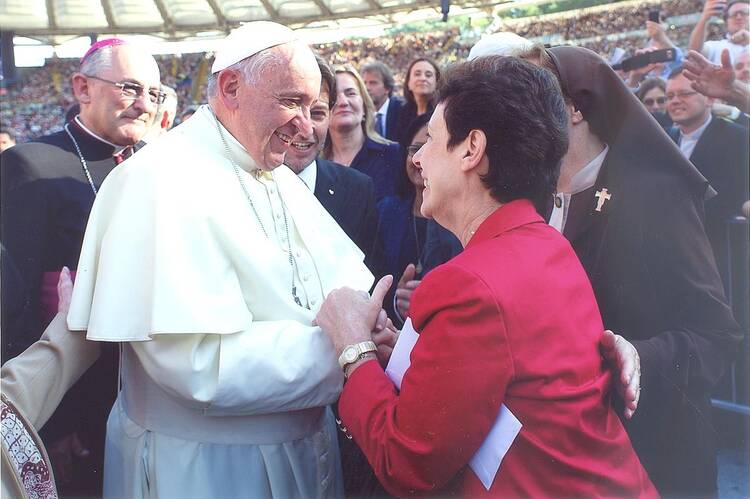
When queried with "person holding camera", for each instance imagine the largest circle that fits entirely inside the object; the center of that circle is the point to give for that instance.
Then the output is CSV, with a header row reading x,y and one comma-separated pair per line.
x,y
735,14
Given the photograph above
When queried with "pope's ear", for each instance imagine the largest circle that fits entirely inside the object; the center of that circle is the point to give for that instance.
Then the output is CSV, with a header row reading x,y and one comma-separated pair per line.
x,y
475,149
229,86
81,89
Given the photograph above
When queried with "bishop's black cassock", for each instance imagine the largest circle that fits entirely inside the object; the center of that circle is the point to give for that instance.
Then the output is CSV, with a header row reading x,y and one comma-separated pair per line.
x,y
46,200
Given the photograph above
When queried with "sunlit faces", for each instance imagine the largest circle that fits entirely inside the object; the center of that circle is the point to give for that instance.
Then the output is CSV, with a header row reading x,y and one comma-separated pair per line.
x,y
375,87
412,171
349,111
116,118
685,106
422,79
274,110
742,67
655,100
305,147
440,168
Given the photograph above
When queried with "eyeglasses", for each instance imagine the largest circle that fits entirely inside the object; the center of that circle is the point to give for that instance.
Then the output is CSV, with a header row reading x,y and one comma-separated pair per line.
x,y
739,14
134,90
680,95
659,100
412,149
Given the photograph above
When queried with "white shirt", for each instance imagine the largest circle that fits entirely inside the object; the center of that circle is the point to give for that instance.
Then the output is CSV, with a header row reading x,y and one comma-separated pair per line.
x,y
712,49
584,179
309,175
689,140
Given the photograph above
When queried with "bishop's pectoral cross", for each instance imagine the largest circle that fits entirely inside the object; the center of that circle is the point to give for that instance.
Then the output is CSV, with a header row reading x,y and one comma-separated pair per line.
x,y
602,197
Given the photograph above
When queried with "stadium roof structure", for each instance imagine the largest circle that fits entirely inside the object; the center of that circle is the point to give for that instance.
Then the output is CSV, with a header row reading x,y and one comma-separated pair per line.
x,y
181,19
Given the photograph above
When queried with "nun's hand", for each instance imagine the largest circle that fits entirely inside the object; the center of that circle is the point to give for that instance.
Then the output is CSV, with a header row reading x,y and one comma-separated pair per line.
x,y
625,364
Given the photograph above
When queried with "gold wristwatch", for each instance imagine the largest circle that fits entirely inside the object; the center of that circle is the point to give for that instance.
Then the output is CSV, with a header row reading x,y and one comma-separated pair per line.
x,y
352,353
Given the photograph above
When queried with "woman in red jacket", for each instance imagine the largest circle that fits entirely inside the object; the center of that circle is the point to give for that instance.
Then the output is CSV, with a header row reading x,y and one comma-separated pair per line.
x,y
511,323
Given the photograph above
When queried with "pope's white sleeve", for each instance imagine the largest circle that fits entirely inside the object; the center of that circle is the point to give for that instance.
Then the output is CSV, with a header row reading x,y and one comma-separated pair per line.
x,y
274,366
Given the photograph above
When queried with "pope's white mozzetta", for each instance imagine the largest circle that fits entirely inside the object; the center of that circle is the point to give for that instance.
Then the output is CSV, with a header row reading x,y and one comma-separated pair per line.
x,y
225,382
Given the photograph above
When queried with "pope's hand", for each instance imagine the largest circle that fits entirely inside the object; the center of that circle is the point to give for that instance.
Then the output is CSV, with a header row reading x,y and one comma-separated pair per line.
x,y
348,316
625,365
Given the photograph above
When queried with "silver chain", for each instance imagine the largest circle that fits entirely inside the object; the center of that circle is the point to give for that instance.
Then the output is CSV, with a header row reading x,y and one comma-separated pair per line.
x,y
292,262
83,160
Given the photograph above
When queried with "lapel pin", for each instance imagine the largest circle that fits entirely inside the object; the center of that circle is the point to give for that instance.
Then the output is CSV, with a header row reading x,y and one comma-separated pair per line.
x,y
602,197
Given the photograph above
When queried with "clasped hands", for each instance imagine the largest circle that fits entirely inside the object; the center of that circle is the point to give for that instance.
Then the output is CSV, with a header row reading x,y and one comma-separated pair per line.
x,y
348,317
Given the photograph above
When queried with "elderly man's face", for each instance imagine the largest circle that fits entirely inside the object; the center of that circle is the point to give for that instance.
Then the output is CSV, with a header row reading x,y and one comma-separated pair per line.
x,y
304,148
277,108
110,113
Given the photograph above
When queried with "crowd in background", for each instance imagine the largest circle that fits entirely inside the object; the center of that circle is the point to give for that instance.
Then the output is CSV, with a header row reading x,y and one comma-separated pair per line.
x,y
37,106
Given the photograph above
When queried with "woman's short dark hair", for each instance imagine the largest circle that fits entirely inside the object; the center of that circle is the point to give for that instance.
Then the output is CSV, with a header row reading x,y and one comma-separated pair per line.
x,y
521,111
408,94
404,187
648,85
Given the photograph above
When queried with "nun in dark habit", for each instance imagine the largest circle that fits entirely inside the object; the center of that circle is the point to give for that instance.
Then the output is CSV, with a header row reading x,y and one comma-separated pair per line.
x,y
632,207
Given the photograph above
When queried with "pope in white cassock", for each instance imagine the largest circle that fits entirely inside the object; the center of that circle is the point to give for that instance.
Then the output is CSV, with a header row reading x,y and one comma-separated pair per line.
x,y
209,260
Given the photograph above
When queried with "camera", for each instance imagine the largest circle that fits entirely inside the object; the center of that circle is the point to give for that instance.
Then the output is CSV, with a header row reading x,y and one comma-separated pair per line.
x,y
638,61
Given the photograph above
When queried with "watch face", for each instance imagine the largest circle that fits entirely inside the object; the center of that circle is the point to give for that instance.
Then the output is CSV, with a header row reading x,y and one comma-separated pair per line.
x,y
350,354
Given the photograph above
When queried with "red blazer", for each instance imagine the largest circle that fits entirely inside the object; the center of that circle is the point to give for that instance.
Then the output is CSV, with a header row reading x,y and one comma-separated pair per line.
x,y
510,320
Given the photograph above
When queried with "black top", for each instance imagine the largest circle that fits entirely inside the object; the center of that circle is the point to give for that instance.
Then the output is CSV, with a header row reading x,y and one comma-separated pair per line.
x,y
46,200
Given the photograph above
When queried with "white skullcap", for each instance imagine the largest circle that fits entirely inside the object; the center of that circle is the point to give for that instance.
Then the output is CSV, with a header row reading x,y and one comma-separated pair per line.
x,y
502,43
248,40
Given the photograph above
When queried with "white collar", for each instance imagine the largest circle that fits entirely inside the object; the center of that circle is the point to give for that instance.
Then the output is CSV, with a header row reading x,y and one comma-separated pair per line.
x,y
586,177
85,129
309,175
237,150
384,108
696,134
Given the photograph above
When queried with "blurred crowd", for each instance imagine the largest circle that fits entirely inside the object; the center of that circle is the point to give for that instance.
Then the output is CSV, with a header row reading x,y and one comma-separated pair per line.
x,y
37,106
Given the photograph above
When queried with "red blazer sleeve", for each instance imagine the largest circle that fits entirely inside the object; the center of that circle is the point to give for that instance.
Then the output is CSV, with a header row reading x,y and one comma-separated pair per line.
x,y
419,439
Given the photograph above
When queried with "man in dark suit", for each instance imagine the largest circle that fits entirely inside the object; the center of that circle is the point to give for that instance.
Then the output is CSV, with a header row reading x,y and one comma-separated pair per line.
x,y
719,149
380,85
347,194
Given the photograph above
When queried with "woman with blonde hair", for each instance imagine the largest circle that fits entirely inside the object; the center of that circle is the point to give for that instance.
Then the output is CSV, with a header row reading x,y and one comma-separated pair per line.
x,y
352,140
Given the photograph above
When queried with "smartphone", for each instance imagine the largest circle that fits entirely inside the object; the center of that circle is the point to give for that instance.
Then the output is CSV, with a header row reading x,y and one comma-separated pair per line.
x,y
638,61
654,16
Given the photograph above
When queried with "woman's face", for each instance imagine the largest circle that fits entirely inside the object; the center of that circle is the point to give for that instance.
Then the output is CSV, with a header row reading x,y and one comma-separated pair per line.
x,y
422,79
349,110
655,100
412,172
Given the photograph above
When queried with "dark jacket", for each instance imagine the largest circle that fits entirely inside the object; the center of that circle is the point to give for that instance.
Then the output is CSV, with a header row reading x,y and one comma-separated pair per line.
x,y
722,155
380,162
395,105
349,197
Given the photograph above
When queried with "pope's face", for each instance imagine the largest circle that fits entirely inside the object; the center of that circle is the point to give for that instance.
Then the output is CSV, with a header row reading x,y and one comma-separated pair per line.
x,y
114,116
277,108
